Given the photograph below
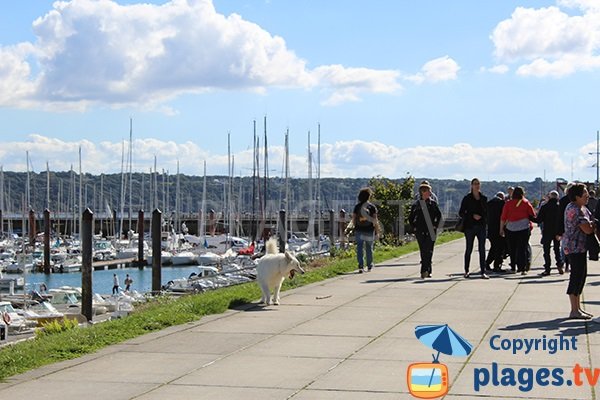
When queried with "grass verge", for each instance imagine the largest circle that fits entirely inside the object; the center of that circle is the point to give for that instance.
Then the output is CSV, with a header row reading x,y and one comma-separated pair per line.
x,y
163,312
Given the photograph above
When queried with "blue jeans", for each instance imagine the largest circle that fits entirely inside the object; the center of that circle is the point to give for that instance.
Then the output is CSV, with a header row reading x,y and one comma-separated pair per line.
x,y
367,238
475,231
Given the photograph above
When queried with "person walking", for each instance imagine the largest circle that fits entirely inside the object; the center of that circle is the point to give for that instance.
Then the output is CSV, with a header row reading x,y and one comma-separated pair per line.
x,y
516,225
547,218
366,225
578,224
560,223
424,218
128,281
473,211
115,289
497,246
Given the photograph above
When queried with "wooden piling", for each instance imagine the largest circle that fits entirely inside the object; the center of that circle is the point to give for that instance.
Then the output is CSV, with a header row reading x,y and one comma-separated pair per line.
x,y
282,231
87,230
332,229
156,251
46,241
140,228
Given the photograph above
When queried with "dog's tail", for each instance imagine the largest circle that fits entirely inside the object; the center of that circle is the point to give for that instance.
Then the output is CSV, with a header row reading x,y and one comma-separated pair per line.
x,y
272,247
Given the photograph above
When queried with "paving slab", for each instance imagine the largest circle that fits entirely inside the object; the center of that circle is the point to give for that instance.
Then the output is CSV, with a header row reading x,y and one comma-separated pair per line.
x,y
351,337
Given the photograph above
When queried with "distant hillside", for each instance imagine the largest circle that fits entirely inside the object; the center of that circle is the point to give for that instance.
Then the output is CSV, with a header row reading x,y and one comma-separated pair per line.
x,y
98,192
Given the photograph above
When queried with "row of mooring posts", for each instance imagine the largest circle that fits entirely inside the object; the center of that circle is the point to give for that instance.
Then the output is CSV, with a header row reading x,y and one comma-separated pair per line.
x,y
87,231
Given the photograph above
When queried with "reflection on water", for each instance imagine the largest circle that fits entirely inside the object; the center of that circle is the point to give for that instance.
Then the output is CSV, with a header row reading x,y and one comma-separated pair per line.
x,y
102,281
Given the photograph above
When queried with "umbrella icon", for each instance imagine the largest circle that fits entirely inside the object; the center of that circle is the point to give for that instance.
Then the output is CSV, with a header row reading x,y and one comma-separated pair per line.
x,y
443,339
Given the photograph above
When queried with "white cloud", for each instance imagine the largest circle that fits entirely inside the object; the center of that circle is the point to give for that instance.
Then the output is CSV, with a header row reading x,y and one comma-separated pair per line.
x,y
348,83
340,159
550,42
91,52
437,70
99,52
496,69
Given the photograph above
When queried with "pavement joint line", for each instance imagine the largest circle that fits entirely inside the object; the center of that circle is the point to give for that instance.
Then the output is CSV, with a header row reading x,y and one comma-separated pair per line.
x,y
464,365
521,282
253,305
374,338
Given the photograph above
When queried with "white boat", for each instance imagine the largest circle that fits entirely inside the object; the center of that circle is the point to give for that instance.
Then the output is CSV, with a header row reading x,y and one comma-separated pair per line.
x,y
16,322
209,258
42,313
184,258
17,282
70,298
15,268
72,264
131,251
219,243
166,258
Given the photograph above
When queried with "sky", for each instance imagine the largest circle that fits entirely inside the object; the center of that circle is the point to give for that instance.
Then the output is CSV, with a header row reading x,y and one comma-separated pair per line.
x,y
499,90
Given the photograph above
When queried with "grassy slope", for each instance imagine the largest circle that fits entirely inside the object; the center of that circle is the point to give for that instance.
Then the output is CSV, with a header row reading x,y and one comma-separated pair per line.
x,y
165,312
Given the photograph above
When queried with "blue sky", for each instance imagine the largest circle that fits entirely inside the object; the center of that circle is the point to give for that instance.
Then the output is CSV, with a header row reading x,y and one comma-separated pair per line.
x,y
500,90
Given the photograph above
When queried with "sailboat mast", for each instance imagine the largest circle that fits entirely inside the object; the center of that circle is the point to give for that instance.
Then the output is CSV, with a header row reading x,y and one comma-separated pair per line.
x,y
101,204
80,193
266,174
226,191
28,193
253,228
130,170
232,227
72,191
318,186
177,201
311,230
202,228
122,205
287,179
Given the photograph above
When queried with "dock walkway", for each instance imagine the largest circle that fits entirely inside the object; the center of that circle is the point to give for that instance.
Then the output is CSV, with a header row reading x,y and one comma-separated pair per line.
x,y
353,337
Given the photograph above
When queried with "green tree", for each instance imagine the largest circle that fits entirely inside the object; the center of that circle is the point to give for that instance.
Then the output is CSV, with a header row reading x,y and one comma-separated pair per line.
x,y
393,200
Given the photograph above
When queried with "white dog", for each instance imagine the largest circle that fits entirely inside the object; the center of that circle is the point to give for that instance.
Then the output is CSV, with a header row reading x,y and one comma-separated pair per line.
x,y
272,269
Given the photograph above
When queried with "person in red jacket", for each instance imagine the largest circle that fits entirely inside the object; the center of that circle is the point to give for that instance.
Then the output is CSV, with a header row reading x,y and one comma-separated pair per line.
x,y
515,225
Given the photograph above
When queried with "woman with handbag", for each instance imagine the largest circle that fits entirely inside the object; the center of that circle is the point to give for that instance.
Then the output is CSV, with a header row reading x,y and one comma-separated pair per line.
x,y
473,211
578,224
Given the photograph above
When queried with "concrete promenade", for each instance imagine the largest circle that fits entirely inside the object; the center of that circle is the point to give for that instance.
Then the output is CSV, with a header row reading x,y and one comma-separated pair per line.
x,y
350,337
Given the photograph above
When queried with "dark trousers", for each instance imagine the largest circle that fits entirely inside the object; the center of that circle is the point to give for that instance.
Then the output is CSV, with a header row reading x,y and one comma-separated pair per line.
x,y
476,231
546,243
578,263
426,250
496,253
519,248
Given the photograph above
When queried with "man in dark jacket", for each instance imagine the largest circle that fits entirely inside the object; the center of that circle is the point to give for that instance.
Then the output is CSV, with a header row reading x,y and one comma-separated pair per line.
x,y
548,219
424,218
497,245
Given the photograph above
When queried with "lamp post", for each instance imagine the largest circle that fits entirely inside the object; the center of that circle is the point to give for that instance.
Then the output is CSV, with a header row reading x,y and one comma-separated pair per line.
x,y
597,164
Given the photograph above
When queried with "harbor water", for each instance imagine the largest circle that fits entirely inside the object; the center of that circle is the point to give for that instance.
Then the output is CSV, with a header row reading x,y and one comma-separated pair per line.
x,y
102,280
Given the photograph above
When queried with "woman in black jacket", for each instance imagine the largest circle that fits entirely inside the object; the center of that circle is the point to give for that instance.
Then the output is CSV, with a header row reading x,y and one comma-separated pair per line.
x,y
424,218
473,211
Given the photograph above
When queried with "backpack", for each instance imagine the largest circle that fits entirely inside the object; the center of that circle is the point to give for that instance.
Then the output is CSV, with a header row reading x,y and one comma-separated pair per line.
x,y
364,218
